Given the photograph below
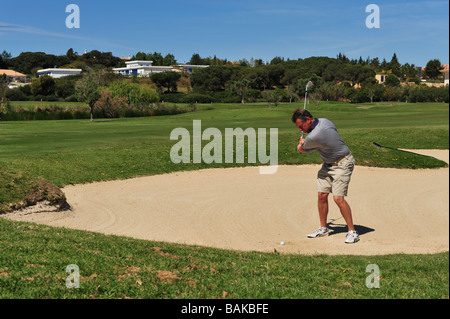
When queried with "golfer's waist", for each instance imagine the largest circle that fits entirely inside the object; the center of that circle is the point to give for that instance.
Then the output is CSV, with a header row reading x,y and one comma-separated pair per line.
x,y
340,159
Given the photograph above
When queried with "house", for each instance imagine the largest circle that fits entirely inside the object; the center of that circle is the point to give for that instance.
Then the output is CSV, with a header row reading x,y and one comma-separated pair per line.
x,y
445,72
12,75
421,70
381,78
59,73
189,68
142,68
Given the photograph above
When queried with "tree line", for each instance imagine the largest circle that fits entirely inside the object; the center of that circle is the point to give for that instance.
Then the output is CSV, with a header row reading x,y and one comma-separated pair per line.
x,y
273,81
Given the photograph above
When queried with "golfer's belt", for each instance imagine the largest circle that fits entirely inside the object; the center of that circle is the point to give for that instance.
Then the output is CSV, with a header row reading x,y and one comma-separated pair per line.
x,y
341,159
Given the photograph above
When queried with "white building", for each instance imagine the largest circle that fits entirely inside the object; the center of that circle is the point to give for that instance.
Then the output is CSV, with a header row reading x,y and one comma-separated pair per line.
x,y
446,79
59,73
191,68
142,68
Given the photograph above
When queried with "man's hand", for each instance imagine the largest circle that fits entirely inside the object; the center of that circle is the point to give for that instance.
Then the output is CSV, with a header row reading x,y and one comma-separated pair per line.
x,y
299,146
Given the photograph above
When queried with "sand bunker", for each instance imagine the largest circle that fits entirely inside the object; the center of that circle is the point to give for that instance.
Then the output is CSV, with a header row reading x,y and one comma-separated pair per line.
x,y
394,210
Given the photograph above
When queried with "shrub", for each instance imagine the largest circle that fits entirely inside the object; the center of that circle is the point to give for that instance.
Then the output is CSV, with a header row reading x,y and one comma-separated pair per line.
x,y
197,98
136,94
111,106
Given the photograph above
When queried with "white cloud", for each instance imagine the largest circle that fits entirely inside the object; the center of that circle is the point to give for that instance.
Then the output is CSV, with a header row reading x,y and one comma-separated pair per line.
x,y
6,28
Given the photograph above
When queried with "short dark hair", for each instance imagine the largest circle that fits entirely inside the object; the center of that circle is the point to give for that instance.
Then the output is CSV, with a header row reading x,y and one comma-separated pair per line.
x,y
301,114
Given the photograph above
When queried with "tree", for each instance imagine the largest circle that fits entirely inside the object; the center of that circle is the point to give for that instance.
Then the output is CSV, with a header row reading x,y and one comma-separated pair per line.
x,y
329,91
44,85
64,87
87,90
375,63
276,60
27,61
392,81
408,72
111,105
137,95
272,96
384,65
156,57
290,90
71,55
169,60
241,88
141,56
211,79
357,73
5,55
432,70
105,59
167,80
3,64
394,65
196,59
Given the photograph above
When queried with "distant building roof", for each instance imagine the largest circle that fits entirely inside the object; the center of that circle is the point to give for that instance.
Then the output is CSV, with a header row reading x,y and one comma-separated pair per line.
x,y
193,66
444,67
60,70
139,62
11,73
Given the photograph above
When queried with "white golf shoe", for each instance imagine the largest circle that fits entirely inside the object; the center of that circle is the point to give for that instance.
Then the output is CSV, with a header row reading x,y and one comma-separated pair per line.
x,y
320,232
352,237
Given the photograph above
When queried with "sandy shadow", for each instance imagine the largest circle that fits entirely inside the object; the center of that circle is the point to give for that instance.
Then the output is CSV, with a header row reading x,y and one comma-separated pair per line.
x,y
338,228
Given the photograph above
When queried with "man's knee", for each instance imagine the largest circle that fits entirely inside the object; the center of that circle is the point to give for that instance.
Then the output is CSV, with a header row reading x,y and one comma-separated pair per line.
x,y
323,196
339,200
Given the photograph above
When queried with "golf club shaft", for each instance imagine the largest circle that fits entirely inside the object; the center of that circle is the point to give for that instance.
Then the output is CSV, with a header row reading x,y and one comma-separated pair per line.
x,y
396,149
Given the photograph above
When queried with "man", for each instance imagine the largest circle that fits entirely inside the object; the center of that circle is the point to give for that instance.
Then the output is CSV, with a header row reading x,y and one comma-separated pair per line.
x,y
336,171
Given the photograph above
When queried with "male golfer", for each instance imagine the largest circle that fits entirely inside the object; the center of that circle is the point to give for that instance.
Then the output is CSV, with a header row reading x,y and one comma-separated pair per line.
x,y
336,171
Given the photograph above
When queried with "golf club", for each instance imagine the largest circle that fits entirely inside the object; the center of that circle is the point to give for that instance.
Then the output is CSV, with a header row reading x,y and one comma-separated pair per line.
x,y
306,95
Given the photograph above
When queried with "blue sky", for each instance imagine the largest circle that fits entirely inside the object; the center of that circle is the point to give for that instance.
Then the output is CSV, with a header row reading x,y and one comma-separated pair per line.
x,y
415,30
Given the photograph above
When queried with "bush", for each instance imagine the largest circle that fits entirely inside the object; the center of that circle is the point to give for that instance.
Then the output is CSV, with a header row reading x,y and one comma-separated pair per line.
x,y
107,108
134,93
392,93
109,105
15,95
197,98
253,95
429,94
172,97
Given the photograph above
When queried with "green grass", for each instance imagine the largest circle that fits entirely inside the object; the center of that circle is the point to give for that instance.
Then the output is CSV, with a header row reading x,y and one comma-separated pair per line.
x,y
34,257
34,260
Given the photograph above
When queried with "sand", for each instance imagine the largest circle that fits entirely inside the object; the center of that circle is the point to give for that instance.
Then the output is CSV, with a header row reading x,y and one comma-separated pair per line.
x,y
394,210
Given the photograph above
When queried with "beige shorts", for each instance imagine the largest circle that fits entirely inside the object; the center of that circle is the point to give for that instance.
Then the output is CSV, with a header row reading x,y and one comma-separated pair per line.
x,y
334,178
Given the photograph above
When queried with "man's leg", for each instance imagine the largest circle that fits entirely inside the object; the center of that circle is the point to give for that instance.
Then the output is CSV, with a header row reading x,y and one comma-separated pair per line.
x,y
346,211
323,208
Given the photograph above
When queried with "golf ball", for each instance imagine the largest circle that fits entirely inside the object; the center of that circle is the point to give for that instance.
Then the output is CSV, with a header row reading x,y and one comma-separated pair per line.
x,y
282,243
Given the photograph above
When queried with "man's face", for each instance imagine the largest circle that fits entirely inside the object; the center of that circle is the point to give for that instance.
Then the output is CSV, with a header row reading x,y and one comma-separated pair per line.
x,y
304,126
